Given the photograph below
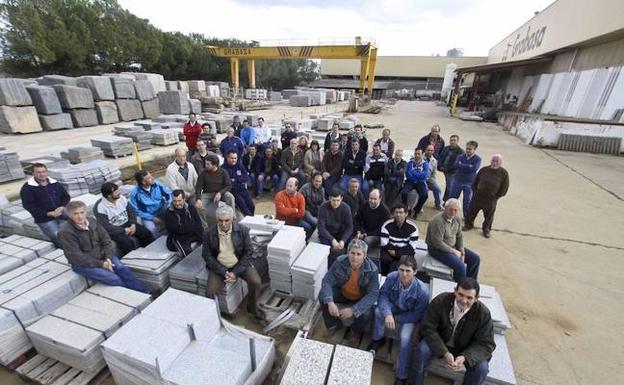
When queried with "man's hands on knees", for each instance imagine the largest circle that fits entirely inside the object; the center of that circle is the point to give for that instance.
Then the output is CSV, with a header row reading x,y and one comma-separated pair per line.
x,y
389,322
333,309
108,264
229,277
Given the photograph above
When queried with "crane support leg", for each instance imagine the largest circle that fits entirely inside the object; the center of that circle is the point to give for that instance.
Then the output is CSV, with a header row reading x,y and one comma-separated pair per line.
x,y
251,72
371,71
363,73
234,73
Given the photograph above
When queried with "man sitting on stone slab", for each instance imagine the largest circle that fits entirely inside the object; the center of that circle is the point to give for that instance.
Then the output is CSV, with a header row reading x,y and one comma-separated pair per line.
x,y
89,250
353,197
45,199
290,207
149,199
239,180
227,252
398,237
349,290
183,225
458,328
213,186
115,214
335,225
445,242
403,299
369,219
181,174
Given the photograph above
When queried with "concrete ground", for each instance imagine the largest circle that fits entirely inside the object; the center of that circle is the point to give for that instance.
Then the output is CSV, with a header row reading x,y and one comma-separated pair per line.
x,y
555,254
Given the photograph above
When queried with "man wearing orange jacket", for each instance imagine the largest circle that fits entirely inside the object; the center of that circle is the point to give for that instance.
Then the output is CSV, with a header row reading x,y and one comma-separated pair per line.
x,y
290,207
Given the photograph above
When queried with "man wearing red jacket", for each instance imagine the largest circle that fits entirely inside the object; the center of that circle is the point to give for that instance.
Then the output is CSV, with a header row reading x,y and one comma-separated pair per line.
x,y
290,207
192,130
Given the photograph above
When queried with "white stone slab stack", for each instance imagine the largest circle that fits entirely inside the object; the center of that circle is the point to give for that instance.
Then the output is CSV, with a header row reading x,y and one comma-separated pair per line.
x,y
317,97
142,138
256,94
17,115
10,167
300,101
48,106
180,340
308,362
15,220
164,137
72,334
282,252
80,104
86,177
308,271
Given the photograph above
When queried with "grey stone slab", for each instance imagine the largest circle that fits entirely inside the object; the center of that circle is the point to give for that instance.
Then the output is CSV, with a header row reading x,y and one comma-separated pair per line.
x,y
157,80
183,86
100,86
56,122
308,364
195,106
124,88
151,108
173,102
129,109
19,120
45,99
144,90
106,112
300,101
171,85
74,97
49,80
13,93
125,296
350,367
84,117
66,333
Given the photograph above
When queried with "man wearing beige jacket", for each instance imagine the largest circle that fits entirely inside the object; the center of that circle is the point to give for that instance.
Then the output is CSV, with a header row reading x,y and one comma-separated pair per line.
x,y
181,175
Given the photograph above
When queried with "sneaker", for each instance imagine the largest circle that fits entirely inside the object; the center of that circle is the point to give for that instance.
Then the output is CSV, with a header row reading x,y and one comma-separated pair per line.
x,y
486,234
439,208
376,345
466,228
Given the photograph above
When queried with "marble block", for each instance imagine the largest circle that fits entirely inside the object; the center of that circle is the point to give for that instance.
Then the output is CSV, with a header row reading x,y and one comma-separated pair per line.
x,y
13,93
84,117
45,99
56,122
100,86
144,90
173,102
19,120
124,88
129,109
106,112
74,97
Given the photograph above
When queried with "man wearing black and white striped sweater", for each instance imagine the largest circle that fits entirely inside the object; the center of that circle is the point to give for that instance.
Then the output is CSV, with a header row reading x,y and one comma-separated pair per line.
x,y
398,237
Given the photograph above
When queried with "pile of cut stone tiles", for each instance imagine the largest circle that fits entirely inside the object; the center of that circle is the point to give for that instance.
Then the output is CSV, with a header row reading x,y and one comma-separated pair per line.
x,y
114,146
151,264
82,154
88,177
282,252
308,271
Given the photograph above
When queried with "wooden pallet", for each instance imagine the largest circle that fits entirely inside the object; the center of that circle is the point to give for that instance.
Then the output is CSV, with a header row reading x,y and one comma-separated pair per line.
x,y
47,371
275,303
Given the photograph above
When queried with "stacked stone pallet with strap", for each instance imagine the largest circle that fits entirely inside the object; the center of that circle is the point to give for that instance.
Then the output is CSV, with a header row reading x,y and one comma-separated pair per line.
x,y
88,177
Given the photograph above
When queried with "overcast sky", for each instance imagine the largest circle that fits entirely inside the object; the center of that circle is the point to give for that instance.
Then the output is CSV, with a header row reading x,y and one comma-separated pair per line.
x,y
400,27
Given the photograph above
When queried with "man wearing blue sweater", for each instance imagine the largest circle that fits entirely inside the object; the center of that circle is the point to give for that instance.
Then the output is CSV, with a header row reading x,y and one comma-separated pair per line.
x,y
466,167
416,175
248,134
149,200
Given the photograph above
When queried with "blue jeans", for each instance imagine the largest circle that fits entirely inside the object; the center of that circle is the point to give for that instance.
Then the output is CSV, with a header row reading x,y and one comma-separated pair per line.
x,y
344,183
460,270
274,177
405,344
475,375
307,225
421,189
457,188
50,229
437,192
152,228
244,202
328,184
120,276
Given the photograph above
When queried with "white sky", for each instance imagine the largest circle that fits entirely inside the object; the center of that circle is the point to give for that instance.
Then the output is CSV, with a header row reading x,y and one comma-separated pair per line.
x,y
400,27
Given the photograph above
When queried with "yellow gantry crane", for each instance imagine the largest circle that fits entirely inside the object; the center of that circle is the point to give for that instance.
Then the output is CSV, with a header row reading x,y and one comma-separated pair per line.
x,y
365,52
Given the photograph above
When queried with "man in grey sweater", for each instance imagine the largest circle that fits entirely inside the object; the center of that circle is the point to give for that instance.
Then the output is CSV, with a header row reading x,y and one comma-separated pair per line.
x,y
88,249
445,242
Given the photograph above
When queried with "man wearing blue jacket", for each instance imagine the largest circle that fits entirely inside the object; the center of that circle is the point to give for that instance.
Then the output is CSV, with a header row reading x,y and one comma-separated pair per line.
x,y
248,134
149,200
403,299
231,142
45,199
239,179
353,163
350,289
416,174
466,167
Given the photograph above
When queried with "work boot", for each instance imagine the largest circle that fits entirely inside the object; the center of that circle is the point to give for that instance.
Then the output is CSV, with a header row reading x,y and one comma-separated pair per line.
x,y
376,345
486,234
351,338
467,227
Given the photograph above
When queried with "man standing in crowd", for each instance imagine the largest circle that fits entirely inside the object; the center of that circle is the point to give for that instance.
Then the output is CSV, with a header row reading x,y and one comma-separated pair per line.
x,y
213,185
292,163
248,134
398,238
45,199
89,250
434,139
208,136
490,184
416,175
231,142
331,136
432,184
290,207
445,242
374,167
446,163
335,224
239,180
394,175
349,290
268,171
314,194
114,213
386,144
192,129
466,168
181,175
236,126
227,251
353,163
251,163
263,135
457,327
287,136
183,225
369,219
149,199
332,166
402,303
358,136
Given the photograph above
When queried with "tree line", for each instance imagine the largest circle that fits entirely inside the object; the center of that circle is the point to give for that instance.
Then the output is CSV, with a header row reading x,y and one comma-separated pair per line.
x,y
80,37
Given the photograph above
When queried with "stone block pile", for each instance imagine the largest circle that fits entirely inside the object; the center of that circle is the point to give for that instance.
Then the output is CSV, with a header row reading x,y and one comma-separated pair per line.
x,y
17,114
15,220
87,177
174,102
308,271
48,105
151,264
77,155
79,103
10,167
114,146
142,138
282,252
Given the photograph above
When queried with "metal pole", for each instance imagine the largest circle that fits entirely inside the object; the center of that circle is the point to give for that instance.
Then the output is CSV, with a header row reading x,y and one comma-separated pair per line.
x,y
136,156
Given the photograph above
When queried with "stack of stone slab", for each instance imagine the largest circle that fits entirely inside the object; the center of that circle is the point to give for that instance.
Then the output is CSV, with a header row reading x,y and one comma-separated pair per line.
x,y
275,96
79,102
73,333
183,276
28,293
174,102
180,339
148,125
213,91
300,101
223,89
15,220
86,177
151,264
317,97
146,94
10,167
164,137
103,95
436,269
331,96
229,297
488,295
17,115
260,223
142,138
256,94
282,252
325,124
114,146
308,271
13,256
49,161
51,115
77,155
28,245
